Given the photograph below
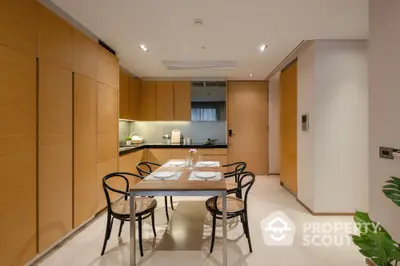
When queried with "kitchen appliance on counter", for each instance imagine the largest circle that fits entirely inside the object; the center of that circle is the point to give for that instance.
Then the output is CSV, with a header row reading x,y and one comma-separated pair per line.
x,y
176,136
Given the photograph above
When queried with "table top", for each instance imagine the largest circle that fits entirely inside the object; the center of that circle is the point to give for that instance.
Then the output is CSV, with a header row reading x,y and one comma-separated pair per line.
x,y
183,183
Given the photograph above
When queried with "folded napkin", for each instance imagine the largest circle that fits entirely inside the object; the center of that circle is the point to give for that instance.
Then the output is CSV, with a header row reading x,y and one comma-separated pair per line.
x,y
193,177
208,164
175,164
151,177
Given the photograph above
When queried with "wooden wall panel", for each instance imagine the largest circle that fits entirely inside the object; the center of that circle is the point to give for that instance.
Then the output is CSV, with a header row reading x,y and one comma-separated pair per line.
x,y
148,101
124,95
108,68
165,101
18,25
85,55
54,38
182,101
134,95
248,119
55,153
17,156
85,149
107,139
128,162
288,121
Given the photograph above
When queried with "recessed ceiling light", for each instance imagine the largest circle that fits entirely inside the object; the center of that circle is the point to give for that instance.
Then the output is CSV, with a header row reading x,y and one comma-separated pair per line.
x,y
251,75
143,47
262,47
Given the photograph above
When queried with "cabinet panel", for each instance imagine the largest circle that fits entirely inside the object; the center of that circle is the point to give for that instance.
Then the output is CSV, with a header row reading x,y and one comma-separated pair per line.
x,y
124,95
54,38
108,68
107,138
55,153
134,95
17,156
165,100
85,55
148,101
85,152
19,24
159,156
128,162
182,101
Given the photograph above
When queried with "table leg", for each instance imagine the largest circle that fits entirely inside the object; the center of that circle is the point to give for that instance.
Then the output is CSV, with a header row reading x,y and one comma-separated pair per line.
x,y
224,230
132,249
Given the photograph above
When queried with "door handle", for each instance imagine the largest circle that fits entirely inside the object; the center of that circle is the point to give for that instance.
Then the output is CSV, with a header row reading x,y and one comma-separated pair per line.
x,y
230,133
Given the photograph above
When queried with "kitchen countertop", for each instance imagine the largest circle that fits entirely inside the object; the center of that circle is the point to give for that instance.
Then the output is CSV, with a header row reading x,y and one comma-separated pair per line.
x,y
128,149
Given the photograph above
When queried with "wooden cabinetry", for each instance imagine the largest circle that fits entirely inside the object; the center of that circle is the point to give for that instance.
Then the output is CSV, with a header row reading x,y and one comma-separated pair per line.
x,y
55,153
107,137
148,101
128,162
165,100
54,39
107,68
134,96
18,25
17,156
182,101
85,148
216,154
124,95
85,55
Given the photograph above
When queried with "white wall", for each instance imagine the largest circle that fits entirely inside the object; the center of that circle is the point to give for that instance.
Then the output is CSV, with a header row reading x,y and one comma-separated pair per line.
x,y
384,130
333,155
274,108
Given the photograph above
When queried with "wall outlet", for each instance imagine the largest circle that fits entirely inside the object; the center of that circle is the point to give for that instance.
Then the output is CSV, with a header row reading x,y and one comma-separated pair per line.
x,y
386,153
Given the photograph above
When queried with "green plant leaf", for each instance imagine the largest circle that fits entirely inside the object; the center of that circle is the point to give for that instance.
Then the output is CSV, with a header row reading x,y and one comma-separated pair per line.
x,y
392,190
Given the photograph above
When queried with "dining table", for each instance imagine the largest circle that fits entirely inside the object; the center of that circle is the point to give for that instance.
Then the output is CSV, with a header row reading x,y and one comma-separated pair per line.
x,y
184,183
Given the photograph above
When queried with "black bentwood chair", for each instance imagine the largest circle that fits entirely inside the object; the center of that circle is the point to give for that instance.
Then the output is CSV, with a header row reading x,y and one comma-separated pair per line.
x,y
236,207
146,168
120,210
232,177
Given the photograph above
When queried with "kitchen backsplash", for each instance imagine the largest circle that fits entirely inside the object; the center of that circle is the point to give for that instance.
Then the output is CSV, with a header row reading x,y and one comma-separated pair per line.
x,y
153,131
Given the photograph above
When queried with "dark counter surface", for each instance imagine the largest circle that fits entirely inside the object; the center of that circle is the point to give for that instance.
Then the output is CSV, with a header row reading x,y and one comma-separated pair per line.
x,y
128,149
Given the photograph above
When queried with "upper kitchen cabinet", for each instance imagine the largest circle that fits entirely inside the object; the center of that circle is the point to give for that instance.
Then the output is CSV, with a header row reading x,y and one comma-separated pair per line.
x,y
148,101
134,96
124,95
182,100
85,55
165,100
54,39
18,25
107,68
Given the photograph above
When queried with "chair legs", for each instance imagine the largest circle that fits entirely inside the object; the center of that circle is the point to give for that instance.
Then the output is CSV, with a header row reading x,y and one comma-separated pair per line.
x,y
153,224
120,228
214,224
108,232
247,231
172,203
166,207
140,235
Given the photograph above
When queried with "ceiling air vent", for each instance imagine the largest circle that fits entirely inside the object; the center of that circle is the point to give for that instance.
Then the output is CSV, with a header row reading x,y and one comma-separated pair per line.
x,y
196,65
206,84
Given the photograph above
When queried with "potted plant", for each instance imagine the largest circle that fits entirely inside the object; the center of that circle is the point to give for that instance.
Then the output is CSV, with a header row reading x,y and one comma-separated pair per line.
x,y
128,141
374,241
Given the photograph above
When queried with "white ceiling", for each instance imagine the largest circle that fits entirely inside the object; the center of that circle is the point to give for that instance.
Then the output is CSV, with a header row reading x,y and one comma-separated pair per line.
x,y
232,30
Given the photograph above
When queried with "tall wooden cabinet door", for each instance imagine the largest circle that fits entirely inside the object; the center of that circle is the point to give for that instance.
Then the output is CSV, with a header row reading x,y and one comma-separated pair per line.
x,y
165,101
107,68
85,148
54,38
55,153
128,162
17,157
85,55
124,95
148,101
288,121
248,120
18,25
182,101
107,140
134,94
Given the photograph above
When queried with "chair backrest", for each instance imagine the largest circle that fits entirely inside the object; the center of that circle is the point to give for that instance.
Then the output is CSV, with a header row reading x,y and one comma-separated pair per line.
x,y
108,188
239,168
246,182
146,168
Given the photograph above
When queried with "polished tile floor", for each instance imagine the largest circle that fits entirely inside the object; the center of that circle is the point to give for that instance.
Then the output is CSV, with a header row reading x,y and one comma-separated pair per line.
x,y
185,240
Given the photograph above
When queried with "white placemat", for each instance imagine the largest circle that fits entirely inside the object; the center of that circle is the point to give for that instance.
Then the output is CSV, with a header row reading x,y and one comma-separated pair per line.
x,y
172,178
201,164
175,164
193,177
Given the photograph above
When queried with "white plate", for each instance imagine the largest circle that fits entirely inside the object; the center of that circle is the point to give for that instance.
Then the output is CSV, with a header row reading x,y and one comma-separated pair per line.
x,y
206,175
163,175
208,163
176,163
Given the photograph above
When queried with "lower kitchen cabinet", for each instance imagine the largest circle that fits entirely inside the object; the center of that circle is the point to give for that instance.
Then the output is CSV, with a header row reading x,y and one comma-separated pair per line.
x,y
128,162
